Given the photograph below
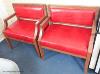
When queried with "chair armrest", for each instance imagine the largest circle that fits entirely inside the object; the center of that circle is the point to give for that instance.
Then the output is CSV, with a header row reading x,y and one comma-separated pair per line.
x,y
37,25
43,26
41,20
92,38
6,20
91,44
45,23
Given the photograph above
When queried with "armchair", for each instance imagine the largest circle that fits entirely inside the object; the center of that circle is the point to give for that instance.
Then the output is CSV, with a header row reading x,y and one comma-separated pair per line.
x,y
69,30
26,27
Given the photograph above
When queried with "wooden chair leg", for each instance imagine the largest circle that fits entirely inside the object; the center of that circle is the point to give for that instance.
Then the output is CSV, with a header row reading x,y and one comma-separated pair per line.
x,y
87,63
9,43
37,49
41,52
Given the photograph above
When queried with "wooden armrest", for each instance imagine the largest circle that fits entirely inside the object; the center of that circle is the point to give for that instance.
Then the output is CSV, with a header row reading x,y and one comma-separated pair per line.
x,y
9,17
92,38
41,20
38,25
43,25
5,20
91,43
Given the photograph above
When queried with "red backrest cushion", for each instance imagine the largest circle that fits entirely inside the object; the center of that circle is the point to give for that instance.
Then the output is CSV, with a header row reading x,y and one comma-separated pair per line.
x,y
73,16
29,10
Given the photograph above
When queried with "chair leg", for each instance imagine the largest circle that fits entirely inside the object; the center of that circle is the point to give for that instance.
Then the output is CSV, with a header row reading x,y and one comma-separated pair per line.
x,y
38,51
9,43
87,63
41,52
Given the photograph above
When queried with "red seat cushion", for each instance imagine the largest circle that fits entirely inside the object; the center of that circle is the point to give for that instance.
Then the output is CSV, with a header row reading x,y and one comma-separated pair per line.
x,y
66,38
21,30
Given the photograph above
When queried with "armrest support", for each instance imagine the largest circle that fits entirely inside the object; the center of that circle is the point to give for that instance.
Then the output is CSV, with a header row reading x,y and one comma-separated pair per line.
x,y
92,38
91,43
6,20
37,25
45,23
41,20
43,26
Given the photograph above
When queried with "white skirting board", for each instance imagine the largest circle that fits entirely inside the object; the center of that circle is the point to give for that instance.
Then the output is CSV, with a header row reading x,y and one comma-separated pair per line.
x,y
95,52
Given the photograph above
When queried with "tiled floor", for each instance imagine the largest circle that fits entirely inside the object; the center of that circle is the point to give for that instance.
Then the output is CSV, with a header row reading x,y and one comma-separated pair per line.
x,y
29,63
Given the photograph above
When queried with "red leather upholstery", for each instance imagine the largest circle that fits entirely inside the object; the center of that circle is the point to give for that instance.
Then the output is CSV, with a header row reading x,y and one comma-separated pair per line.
x,y
21,30
73,16
29,11
67,38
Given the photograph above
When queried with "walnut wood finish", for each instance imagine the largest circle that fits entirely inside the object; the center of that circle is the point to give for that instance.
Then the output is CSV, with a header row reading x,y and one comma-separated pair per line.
x,y
42,29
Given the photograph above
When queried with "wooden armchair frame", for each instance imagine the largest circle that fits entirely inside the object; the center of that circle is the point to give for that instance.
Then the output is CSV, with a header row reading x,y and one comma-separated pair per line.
x,y
36,27
46,22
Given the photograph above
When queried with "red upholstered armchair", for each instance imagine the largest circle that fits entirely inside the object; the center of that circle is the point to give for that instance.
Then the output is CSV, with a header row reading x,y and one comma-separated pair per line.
x,y
69,30
25,28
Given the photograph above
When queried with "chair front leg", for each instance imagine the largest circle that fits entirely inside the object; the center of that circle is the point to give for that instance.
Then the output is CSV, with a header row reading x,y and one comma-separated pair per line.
x,y
37,49
40,48
9,43
41,52
87,63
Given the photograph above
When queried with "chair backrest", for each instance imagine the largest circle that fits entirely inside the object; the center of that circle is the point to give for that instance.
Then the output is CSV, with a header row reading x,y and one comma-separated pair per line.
x,y
81,16
31,11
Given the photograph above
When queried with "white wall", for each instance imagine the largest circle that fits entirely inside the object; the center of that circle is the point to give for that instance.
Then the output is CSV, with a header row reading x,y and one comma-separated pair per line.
x,y
5,10
3,13
1,29
62,2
